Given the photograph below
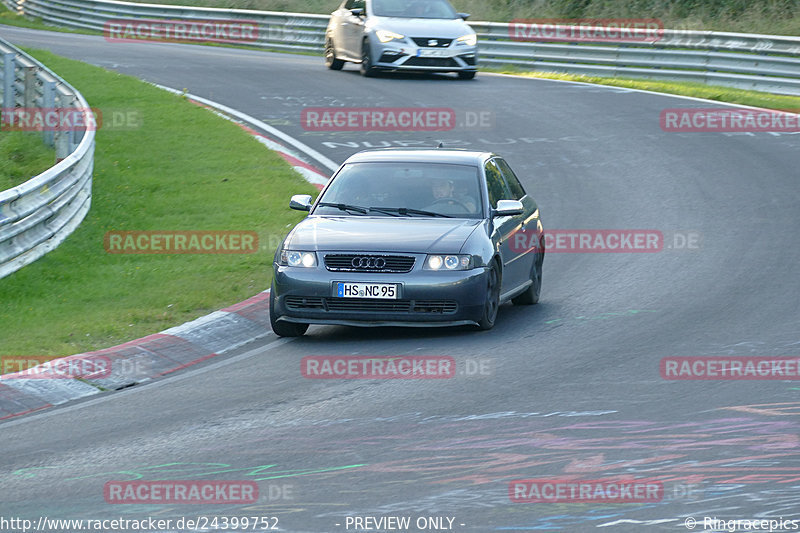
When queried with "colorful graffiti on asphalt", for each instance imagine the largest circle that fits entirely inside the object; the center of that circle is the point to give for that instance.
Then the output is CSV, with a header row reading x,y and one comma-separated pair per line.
x,y
735,455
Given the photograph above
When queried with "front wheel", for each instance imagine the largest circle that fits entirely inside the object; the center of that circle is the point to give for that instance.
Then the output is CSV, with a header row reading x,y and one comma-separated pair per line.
x,y
331,61
492,303
367,70
531,294
466,74
283,329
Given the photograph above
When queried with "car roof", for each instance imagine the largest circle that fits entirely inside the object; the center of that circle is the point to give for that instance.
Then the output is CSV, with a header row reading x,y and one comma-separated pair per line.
x,y
422,155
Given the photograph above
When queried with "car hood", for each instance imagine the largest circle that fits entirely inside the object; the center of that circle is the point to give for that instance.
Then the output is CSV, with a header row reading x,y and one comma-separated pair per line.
x,y
385,234
442,28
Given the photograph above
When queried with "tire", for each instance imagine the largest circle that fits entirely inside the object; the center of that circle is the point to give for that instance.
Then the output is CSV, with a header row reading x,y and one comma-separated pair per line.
x,y
331,61
531,294
283,329
367,70
466,74
492,303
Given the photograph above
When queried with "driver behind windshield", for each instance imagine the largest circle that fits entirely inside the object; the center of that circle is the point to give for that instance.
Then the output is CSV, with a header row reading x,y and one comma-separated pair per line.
x,y
447,200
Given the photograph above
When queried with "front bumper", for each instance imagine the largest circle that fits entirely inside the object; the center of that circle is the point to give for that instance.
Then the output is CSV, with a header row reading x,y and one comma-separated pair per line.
x,y
426,298
403,55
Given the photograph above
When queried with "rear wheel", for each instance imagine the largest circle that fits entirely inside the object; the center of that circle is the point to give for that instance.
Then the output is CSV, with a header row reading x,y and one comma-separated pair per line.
x,y
283,329
331,61
367,70
492,304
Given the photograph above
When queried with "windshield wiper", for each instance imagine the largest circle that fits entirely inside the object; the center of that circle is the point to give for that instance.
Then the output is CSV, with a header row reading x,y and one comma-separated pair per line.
x,y
408,211
345,207
386,210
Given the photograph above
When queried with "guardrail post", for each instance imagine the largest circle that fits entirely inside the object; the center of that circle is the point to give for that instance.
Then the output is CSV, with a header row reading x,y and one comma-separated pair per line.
x,y
65,140
9,72
48,105
29,83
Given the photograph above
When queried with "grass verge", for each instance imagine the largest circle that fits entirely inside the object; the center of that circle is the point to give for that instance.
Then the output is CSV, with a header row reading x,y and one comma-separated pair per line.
x,y
23,155
174,166
696,90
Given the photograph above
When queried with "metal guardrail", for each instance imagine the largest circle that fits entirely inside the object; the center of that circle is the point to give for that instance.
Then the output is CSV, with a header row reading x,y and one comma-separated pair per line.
x,y
298,32
769,63
758,62
36,216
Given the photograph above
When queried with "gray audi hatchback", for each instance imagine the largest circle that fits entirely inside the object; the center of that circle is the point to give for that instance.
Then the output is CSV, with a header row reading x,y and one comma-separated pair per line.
x,y
409,237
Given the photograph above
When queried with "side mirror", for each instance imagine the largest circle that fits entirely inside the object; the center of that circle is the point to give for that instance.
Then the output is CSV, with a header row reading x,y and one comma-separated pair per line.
x,y
300,202
464,16
357,12
508,208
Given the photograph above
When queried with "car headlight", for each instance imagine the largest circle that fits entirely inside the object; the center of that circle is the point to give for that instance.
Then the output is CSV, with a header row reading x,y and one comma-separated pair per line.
x,y
386,36
294,258
448,262
469,40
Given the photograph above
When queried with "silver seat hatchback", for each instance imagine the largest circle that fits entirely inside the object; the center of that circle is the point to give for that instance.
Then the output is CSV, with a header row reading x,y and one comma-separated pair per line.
x,y
401,35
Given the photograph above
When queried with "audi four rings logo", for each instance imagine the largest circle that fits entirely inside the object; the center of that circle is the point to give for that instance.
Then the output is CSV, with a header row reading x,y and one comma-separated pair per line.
x,y
369,262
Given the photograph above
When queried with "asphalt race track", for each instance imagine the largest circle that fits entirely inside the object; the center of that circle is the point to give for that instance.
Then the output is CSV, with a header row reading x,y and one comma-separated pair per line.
x,y
567,389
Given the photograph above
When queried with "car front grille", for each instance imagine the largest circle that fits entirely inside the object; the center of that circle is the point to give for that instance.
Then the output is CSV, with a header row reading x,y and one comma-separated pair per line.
x,y
425,41
394,264
430,62
299,302
444,307
389,57
368,305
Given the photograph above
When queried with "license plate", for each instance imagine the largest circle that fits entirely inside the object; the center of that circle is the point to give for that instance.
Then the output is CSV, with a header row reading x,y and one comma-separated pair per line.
x,y
433,52
386,291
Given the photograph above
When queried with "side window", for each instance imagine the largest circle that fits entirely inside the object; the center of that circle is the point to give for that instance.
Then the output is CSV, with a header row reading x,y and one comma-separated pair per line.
x,y
495,184
517,192
355,4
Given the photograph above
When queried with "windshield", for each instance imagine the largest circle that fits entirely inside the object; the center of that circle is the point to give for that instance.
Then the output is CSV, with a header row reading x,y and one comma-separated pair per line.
x,y
425,9
403,189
